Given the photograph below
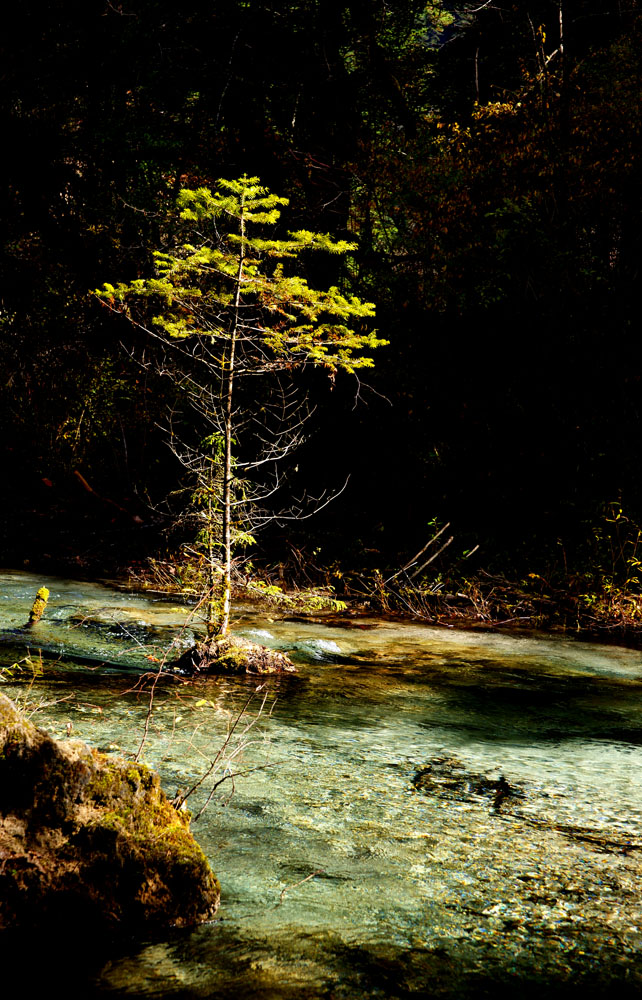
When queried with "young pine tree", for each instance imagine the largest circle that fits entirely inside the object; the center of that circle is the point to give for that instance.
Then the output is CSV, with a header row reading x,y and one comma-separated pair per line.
x,y
227,297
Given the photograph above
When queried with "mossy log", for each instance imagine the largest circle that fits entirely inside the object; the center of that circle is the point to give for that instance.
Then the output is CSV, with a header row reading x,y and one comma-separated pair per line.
x,y
89,842
231,654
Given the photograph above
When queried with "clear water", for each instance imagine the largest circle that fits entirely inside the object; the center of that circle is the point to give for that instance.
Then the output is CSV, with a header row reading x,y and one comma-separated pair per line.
x,y
339,878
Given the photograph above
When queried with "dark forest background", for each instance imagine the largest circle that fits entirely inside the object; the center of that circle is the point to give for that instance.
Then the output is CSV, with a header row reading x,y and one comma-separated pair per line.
x,y
486,158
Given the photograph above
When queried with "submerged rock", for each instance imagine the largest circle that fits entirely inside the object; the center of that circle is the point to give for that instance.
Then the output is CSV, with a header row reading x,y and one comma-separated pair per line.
x,y
447,777
232,654
90,842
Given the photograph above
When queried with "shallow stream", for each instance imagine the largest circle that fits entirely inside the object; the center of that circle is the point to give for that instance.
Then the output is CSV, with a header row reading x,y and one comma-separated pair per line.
x,y
424,811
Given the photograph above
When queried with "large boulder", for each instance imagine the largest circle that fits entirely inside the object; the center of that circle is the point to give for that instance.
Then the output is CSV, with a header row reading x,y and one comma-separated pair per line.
x,y
91,841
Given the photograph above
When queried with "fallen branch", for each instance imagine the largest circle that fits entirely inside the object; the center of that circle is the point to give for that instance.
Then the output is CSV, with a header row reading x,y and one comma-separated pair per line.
x,y
412,562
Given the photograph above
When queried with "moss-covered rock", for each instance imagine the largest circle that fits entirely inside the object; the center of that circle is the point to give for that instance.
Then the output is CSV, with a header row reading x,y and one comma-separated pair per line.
x,y
38,607
91,840
231,654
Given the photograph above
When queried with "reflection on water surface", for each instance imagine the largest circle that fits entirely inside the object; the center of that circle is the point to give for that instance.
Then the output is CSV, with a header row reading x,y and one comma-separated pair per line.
x,y
342,875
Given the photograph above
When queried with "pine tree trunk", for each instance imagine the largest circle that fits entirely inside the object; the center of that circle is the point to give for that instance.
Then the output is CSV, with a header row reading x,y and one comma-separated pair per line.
x,y
212,582
227,472
227,501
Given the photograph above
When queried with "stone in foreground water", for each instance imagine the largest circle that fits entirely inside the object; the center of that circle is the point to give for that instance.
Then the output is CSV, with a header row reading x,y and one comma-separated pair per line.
x,y
91,842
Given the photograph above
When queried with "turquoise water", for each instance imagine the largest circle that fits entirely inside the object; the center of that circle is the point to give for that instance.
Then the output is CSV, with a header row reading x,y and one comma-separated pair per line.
x,y
339,877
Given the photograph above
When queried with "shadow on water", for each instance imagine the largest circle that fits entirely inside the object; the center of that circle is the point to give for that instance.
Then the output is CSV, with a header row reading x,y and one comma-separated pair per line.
x,y
194,967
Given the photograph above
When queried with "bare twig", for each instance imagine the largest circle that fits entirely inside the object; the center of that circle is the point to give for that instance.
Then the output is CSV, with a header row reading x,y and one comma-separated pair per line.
x,y
319,871
182,798
156,678
230,777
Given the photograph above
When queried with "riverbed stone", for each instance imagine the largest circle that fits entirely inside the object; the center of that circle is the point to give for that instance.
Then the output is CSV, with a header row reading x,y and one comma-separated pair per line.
x,y
91,842
232,654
